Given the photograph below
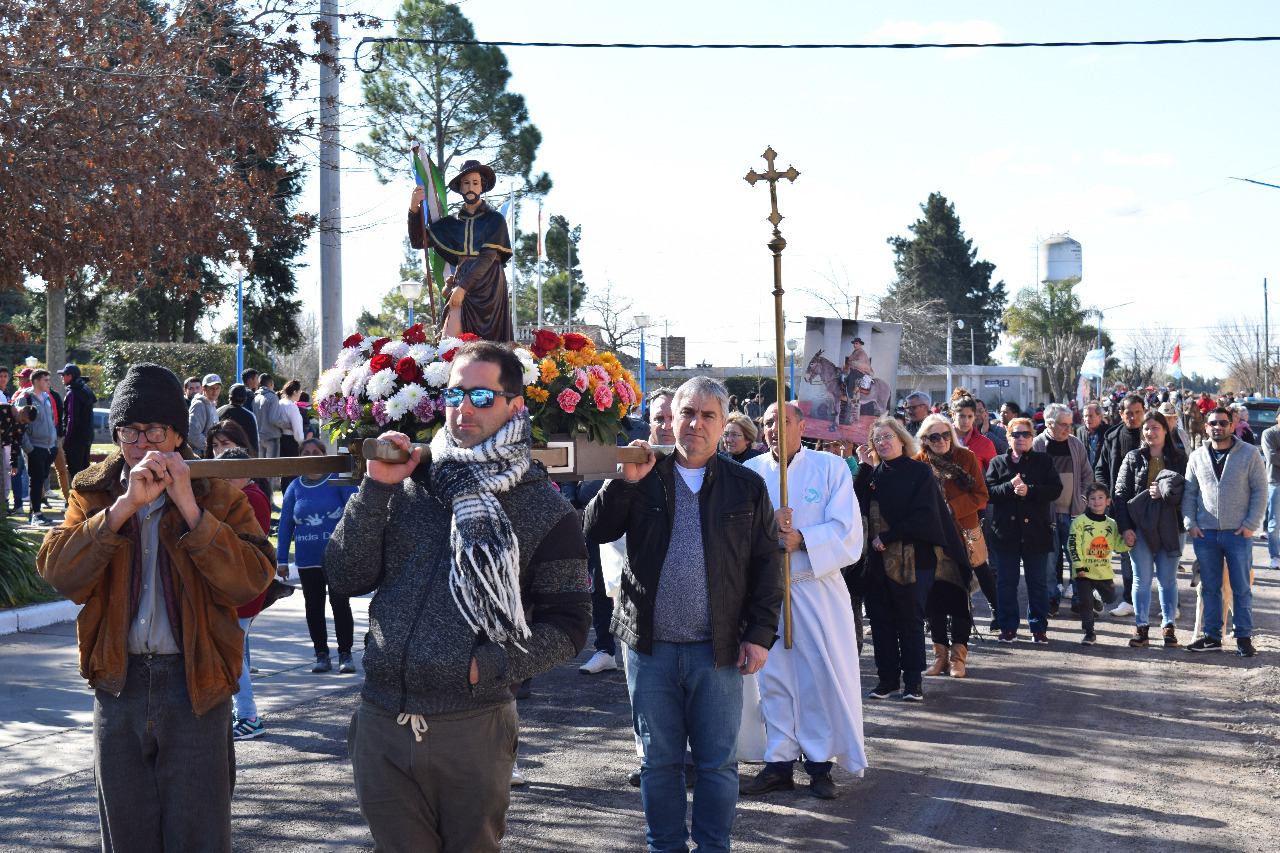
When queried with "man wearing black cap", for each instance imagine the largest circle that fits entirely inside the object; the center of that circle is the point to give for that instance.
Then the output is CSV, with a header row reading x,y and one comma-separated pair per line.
x,y
79,404
160,563
475,240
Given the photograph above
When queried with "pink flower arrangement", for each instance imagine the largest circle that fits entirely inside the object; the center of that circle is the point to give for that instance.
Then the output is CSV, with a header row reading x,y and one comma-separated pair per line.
x,y
599,374
580,379
568,398
624,392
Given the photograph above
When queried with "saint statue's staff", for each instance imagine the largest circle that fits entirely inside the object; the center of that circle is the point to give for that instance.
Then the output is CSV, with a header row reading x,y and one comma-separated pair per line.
x,y
776,245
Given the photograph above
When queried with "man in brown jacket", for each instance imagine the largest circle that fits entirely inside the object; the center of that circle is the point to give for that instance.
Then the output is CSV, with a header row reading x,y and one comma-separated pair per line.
x,y
160,564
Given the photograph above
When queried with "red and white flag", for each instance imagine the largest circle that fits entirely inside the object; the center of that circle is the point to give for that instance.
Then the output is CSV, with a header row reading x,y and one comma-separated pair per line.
x,y
1177,361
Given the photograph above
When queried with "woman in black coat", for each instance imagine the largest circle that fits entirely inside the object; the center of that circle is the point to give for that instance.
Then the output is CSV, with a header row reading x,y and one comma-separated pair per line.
x,y
907,517
1021,488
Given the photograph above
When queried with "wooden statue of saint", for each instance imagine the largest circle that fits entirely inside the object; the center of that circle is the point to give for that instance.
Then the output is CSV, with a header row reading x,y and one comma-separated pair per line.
x,y
475,240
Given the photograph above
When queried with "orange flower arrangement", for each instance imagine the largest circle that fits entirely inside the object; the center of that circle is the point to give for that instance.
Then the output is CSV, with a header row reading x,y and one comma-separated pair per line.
x,y
578,389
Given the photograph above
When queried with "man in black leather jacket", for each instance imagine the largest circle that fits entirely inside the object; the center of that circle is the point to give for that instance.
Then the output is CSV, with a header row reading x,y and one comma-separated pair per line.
x,y
698,610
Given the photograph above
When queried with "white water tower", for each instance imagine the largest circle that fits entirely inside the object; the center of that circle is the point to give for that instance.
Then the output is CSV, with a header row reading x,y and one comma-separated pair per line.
x,y
1059,259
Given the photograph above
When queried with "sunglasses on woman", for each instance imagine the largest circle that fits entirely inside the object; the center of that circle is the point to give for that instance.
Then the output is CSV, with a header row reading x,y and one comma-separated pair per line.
x,y
937,437
481,398
1020,434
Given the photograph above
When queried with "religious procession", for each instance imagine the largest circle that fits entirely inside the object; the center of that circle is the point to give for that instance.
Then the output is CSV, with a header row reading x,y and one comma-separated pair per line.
x,y
886,582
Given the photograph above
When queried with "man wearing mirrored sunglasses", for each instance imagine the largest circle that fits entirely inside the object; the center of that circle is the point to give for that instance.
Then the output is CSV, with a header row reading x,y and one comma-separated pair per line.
x,y
160,562
1222,505
480,572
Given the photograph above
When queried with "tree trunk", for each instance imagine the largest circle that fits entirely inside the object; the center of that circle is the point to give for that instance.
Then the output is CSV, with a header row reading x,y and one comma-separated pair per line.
x,y
55,325
191,313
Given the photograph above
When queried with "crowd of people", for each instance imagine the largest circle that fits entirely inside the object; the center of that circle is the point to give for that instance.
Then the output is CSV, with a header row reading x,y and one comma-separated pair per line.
x,y
484,574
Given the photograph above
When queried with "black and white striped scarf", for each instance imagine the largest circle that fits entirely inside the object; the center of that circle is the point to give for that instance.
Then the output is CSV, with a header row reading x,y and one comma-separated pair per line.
x,y
485,575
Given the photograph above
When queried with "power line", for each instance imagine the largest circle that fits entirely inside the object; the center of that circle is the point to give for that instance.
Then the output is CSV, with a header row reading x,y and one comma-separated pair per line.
x,y
853,46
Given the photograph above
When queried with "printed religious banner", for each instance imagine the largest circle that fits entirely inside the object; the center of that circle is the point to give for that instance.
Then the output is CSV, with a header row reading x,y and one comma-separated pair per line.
x,y
850,376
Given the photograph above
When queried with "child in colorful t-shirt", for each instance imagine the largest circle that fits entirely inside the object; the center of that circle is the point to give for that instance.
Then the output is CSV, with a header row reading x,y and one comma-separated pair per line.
x,y
1093,539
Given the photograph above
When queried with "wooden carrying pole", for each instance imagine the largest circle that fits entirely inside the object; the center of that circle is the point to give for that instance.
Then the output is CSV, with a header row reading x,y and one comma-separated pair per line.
x,y
776,245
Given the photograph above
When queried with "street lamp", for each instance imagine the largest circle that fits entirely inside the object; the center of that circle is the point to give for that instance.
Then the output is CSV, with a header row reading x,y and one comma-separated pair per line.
x,y
952,324
411,290
791,348
239,269
642,320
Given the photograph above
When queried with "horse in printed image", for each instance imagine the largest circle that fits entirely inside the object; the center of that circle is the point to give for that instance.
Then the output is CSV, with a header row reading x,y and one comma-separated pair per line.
x,y
873,401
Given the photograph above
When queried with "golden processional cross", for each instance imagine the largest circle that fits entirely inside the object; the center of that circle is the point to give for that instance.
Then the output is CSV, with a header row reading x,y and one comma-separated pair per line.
x,y
776,245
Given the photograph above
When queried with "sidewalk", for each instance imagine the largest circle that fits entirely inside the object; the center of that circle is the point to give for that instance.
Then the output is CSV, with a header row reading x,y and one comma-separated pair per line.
x,y
46,708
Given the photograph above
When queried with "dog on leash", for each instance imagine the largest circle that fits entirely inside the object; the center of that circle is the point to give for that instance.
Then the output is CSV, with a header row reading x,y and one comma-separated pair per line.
x,y
1227,606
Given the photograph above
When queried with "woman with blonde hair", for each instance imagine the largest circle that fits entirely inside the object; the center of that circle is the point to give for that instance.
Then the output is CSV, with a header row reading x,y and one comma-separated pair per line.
x,y
909,536
739,437
959,473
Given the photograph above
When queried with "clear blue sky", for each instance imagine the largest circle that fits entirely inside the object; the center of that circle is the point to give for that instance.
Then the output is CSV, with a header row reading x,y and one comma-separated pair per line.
x,y
1129,149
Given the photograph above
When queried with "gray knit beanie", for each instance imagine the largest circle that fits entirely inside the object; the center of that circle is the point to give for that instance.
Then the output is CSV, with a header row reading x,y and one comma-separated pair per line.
x,y
149,393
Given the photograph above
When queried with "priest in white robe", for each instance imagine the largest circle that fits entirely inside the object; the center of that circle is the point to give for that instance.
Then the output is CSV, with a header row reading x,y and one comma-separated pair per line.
x,y
811,695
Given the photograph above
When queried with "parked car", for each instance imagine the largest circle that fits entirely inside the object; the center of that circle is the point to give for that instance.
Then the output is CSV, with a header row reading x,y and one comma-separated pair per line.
x,y
101,432
1262,414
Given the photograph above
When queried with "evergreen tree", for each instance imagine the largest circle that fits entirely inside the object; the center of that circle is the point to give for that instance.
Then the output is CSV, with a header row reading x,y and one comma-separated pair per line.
x,y
939,262
560,262
453,98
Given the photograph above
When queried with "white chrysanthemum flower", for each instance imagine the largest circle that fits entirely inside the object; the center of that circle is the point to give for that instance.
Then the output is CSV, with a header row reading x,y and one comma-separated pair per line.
x,y
447,344
395,349
353,384
407,398
330,383
395,408
380,384
366,345
422,354
436,374
531,375
348,357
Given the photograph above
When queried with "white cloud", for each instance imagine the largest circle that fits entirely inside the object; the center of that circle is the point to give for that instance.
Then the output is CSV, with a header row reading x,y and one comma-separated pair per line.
x,y
1150,158
943,32
1013,158
1077,157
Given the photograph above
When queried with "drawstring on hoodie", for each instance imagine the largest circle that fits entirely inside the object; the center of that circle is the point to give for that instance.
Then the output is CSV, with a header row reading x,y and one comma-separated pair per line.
x,y
416,722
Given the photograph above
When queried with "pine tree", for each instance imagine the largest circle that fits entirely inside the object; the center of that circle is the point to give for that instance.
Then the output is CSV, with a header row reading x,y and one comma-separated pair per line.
x,y
939,262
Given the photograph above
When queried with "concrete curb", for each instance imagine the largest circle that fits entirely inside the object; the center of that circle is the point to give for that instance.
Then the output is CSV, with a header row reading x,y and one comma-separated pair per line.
x,y
37,616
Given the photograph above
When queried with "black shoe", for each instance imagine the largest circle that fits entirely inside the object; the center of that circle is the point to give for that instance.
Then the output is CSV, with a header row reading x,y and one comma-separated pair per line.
x,y
822,786
1170,637
1139,638
883,690
1053,609
1007,637
995,624
913,693
633,778
1244,647
765,782
690,775
1089,639
1097,604
1205,644
345,663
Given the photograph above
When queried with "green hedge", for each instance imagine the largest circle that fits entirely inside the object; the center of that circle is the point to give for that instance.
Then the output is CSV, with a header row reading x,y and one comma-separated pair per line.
x,y
183,359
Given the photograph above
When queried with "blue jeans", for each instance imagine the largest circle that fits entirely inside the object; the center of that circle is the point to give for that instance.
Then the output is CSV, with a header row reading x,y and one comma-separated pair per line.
x,y
679,694
242,703
1273,535
1008,564
1165,567
164,776
1060,557
1211,550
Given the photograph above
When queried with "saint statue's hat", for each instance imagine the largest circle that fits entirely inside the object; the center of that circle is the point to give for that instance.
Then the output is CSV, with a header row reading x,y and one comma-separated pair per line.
x,y
488,180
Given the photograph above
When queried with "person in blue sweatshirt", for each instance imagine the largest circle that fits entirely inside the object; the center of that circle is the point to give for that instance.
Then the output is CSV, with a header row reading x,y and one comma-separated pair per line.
x,y
312,509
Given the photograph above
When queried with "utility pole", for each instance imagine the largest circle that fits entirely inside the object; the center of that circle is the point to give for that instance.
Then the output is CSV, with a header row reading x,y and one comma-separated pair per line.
x,y
1266,340
568,251
330,195
539,264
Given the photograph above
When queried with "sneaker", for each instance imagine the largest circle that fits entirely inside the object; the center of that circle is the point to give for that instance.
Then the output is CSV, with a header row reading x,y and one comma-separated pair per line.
x,y
38,520
633,778
1089,639
600,662
1053,609
1275,562
1007,637
995,624
1170,637
248,729
517,778
1040,638
1206,644
913,693
1244,647
322,663
345,664
883,690
1097,603
1139,638
1123,609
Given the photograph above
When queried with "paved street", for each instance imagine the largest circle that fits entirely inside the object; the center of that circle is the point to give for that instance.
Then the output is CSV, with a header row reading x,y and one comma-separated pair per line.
x,y
1057,748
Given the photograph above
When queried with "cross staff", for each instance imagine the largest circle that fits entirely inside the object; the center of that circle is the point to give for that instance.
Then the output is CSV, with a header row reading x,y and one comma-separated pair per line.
x,y
776,245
